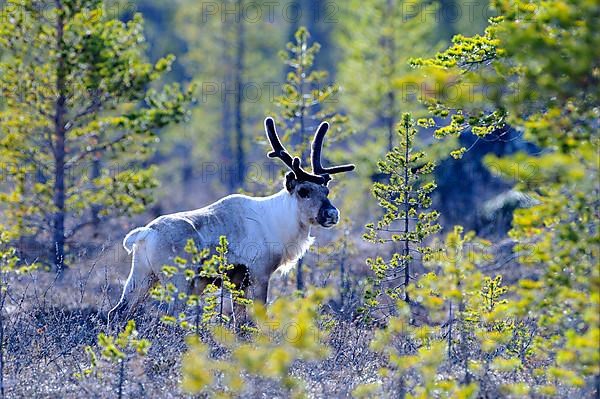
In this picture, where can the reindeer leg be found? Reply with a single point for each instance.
(123, 305)
(133, 296)
(256, 291)
(260, 291)
(134, 292)
(241, 278)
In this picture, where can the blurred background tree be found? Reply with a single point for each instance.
(230, 47)
(377, 39)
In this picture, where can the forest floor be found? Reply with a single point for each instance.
(48, 323)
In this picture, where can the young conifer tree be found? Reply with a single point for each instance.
(466, 336)
(119, 350)
(307, 96)
(407, 220)
(201, 308)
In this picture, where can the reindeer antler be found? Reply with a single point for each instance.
(295, 164)
(315, 155)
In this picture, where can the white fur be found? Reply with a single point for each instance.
(286, 267)
(134, 236)
(280, 218)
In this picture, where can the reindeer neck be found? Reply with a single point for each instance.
(282, 211)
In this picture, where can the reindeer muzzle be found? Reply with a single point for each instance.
(328, 215)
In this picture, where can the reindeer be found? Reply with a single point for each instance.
(265, 234)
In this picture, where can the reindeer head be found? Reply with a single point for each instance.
(308, 189)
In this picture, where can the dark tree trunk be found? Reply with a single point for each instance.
(240, 167)
(226, 126)
(406, 249)
(187, 170)
(389, 48)
(344, 281)
(59, 149)
(449, 16)
(300, 276)
(95, 173)
(390, 120)
(3, 295)
(320, 17)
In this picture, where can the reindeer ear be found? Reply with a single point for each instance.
(290, 181)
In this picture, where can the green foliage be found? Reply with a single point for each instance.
(287, 332)
(79, 100)
(407, 220)
(376, 39)
(535, 66)
(216, 270)
(117, 349)
(9, 261)
(120, 350)
(201, 265)
(557, 240)
(468, 330)
(541, 61)
(78, 117)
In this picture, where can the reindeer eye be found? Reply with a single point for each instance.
(303, 193)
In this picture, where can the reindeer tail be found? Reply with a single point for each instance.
(134, 236)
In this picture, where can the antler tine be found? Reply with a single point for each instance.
(315, 155)
(279, 151)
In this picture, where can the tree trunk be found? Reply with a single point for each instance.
(300, 276)
(238, 77)
(95, 173)
(226, 126)
(3, 295)
(406, 249)
(320, 18)
(344, 283)
(59, 148)
(448, 12)
(390, 122)
(390, 47)
(450, 321)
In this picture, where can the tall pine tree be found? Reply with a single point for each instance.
(78, 118)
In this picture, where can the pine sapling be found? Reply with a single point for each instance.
(407, 220)
(209, 304)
